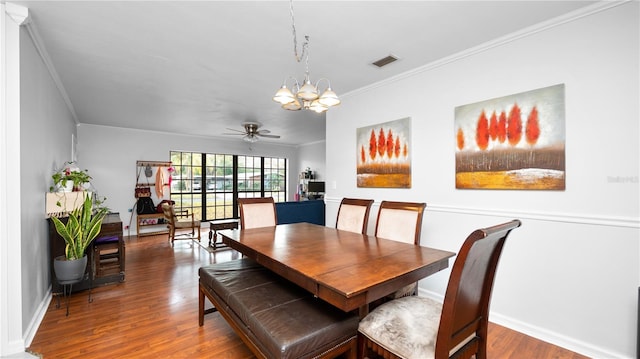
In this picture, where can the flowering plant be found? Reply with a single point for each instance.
(69, 173)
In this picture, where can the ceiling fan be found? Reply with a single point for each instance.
(251, 132)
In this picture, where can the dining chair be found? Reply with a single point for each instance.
(353, 215)
(257, 212)
(180, 220)
(419, 327)
(402, 222)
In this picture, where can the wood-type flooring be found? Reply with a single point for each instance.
(154, 314)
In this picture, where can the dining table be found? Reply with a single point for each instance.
(346, 269)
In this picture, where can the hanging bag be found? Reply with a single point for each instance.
(145, 206)
(142, 190)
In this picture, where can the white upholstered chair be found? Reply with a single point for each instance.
(353, 215)
(257, 212)
(401, 221)
(421, 328)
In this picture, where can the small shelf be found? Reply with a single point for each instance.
(140, 224)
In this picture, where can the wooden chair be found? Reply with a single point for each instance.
(179, 221)
(257, 212)
(418, 327)
(402, 222)
(353, 215)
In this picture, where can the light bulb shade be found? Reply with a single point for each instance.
(318, 107)
(329, 98)
(308, 92)
(292, 106)
(284, 95)
(250, 138)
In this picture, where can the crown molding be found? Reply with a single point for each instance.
(44, 55)
(528, 31)
(19, 14)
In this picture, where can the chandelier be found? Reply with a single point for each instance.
(306, 96)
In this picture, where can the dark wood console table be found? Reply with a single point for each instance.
(215, 226)
(111, 227)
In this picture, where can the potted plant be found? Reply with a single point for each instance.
(69, 176)
(82, 227)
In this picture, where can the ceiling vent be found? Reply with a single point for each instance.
(385, 61)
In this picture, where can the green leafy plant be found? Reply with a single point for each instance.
(81, 229)
(68, 173)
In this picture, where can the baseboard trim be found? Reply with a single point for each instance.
(545, 335)
(554, 338)
(37, 319)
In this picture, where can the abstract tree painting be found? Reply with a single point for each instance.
(383, 155)
(512, 142)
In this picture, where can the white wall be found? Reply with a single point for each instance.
(110, 155)
(570, 274)
(46, 128)
(312, 155)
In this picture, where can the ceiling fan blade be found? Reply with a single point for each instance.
(268, 136)
(235, 134)
(260, 132)
(234, 130)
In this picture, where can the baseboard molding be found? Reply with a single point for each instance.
(554, 338)
(540, 333)
(37, 319)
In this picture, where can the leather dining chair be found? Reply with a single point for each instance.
(401, 221)
(257, 212)
(180, 220)
(353, 215)
(419, 327)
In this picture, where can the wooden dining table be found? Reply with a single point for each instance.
(346, 269)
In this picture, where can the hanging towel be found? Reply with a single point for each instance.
(160, 183)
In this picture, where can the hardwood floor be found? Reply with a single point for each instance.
(154, 314)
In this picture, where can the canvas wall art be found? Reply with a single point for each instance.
(384, 155)
(512, 142)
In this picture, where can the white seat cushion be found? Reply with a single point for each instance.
(407, 327)
(258, 215)
(351, 218)
(397, 224)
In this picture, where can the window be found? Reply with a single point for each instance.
(209, 184)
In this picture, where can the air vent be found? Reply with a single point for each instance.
(385, 61)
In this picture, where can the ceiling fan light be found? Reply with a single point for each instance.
(250, 138)
(329, 98)
(318, 107)
(308, 92)
(292, 106)
(284, 95)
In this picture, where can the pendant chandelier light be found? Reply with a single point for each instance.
(308, 96)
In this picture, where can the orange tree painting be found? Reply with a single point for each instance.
(383, 155)
(512, 142)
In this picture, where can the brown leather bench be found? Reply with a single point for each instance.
(274, 317)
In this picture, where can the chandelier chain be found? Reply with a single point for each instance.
(305, 45)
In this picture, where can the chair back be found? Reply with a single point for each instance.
(465, 311)
(400, 221)
(353, 215)
(257, 212)
(169, 213)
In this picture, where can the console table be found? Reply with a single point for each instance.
(111, 227)
(215, 226)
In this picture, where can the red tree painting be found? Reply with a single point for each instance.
(383, 155)
(512, 142)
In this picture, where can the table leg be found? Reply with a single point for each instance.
(363, 311)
